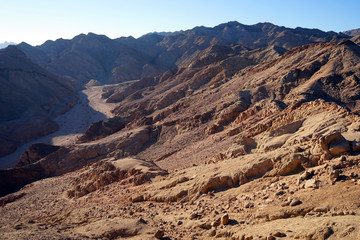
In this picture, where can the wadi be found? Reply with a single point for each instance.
(230, 132)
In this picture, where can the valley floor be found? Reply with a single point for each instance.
(89, 109)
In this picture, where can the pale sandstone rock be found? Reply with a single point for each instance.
(312, 183)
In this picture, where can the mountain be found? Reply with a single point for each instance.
(356, 39)
(5, 44)
(254, 137)
(92, 56)
(352, 32)
(29, 97)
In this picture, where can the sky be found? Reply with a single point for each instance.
(35, 21)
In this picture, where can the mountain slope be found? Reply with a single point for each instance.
(29, 97)
(248, 149)
(233, 142)
(92, 56)
(356, 39)
(183, 109)
(87, 57)
(352, 32)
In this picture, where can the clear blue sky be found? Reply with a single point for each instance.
(35, 21)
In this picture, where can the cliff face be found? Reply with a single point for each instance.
(29, 97)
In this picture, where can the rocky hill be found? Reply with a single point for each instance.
(241, 140)
(29, 97)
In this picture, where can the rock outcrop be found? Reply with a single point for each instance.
(103, 128)
(104, 173)
(36, 152)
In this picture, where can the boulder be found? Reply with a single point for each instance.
(312, 183)
(338, 147)
(103, 128)
(241, 147)
(356, 145)
(36, 152)
(225, 219)
(291, 164)
(334, 144)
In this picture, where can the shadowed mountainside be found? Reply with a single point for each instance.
(29, 97)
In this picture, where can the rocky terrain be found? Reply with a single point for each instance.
(245, 139)
(29, 98)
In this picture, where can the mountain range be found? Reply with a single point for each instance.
(5, 44)
(231, 132)
(107, 60)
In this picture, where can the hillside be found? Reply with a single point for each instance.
(29, 97)
(352, 32)
(244, 132)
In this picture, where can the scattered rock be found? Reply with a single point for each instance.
(216, 223)
(312, 183)
(248, 205)
(205, 225)
(334, 175)
(225, 219)
(279, 234)
(279, 193)
(159, 234)
(304, 176)
(295, 202)
(212, 233)
(194, 216)
(322, 233)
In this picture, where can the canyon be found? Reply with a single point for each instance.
(232, 132)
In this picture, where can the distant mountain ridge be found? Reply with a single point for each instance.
(352, 32)
(108, 60)
(5, 44)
